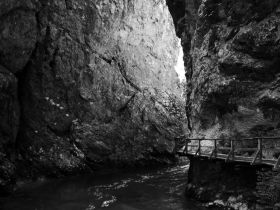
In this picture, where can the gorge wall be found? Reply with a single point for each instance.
(232, 63)
(85, 84)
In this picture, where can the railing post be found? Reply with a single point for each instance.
(186, 146)
(215, 148)
(198, 152)
(232, 148)
(199, 147)
(260, 148)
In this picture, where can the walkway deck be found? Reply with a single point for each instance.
(237, 152)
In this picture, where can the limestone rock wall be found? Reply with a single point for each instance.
(232, 66)
(231, 53)
(235, 69)
(86, 83)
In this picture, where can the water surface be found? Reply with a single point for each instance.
(161, 189)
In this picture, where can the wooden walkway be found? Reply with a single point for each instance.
(235, 150)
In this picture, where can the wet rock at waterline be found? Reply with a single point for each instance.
(84, 84)
(232, 185)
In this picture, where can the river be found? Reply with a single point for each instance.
(157, 189)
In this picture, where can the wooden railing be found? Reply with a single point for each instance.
(234, 150)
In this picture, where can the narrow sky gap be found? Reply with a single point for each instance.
(180, 66)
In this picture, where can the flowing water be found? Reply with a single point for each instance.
(161, 189)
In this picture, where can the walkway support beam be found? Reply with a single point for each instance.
(214, 151)
(259, 153)
(187, 146)
(198, 152)
(276, 166)
(231, 152)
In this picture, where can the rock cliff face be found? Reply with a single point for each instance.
(232, 58)
(232, 62)
(85, 84)
(235, 69)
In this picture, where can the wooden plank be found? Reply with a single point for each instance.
(192, 145)
(241, 139)
(224, 148)
(205, 146)
(243, 149)
(269, 162)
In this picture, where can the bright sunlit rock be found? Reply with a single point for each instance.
(180, 68)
